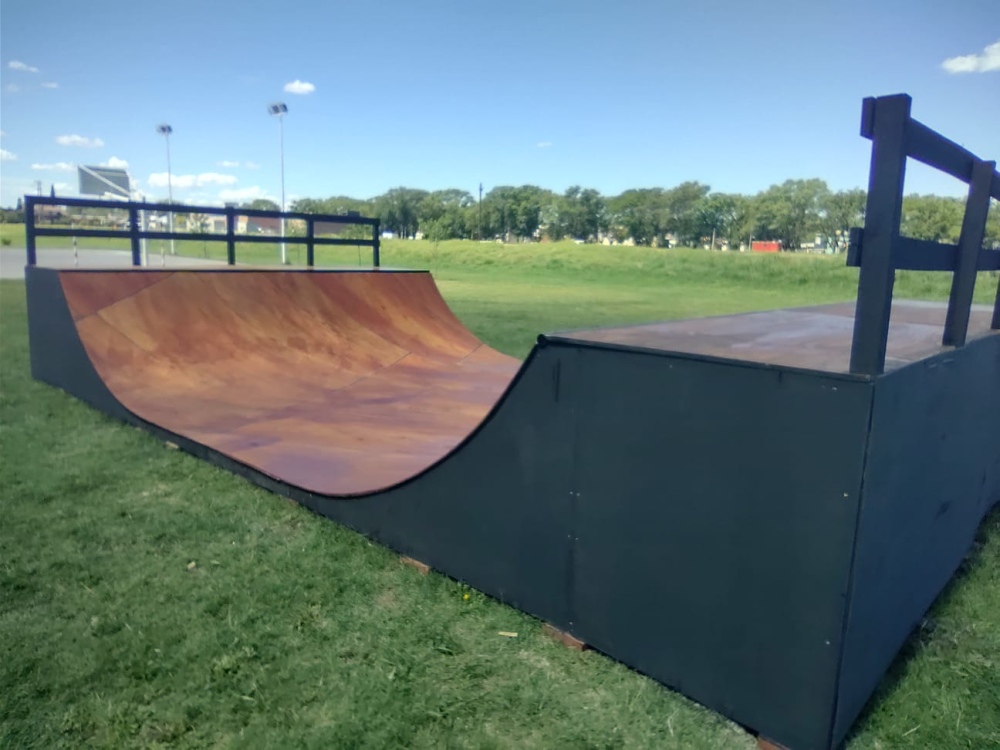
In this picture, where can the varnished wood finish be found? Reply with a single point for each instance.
(341, 383)
(563, 637)
(814, 338)
(420, 567)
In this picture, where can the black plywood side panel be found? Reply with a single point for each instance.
(715, 525)
(492, 514)
(495, 513)
(58, 357)
(933, 473)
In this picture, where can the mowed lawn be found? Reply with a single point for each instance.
(148, 599)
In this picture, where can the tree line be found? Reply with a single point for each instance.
(794, 213)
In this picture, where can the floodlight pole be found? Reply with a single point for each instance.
(280, 109)
(165, 130)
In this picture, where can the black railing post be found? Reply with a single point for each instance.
(884, 120)
(133, 222)
(970, 242)
(376, 234)
(310, 246)
(996, 310)
(29, 229)
(231, 235)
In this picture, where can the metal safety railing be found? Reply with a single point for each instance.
(879, 249)
(137, 231)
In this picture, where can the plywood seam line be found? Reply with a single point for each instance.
(845, 622)
(241, 316)
(475, 349)
(166, 275)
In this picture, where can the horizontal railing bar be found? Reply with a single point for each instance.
(911, 254)
(214, 237)
(211, 210)
(931, 148)
(934, 150)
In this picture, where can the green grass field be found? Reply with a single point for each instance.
(150, 600)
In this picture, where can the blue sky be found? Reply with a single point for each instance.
(433, 94)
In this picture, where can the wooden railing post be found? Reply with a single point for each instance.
(310, 245)
(231, 235)
(29, 229)
(133, 225)
(970, 242)
(885, 123)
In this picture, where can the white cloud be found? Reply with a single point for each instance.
(50, 85)
(299, 87)
(984, 62)
(13, 88)
(6, 155)
(236, 195)
(59, 166)
(115, 163)
(62, 186)
(79, 140)
(543, 144)
(2, 134)
(159, 179)
(226, 164)
(252, 165)
(18, 65)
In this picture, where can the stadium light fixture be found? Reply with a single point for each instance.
(279, 109)
(165, 130)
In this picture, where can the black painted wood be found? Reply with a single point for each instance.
(136, 233)
(970, 242)
(190, 208)
(911, 254)
(932, 474)
(879, 250)
(723, 572)
(934, 150)
(882, 216)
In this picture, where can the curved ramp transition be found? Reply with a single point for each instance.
(340, 383)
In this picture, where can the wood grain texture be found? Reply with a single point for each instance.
(813, 338)
(342, 383)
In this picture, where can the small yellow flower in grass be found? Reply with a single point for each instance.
(465, 597)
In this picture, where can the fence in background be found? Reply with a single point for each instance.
(136, 230)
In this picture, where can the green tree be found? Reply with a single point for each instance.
(398, 210)
(931, 217)
(516, 211)
(716, 214)
(841, 211)
(639, 214)
(262, 204)
(580, 213)
(791, 212)
(992, 236)
(443, 213)
(681, 205)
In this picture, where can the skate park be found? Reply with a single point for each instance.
(597, 485)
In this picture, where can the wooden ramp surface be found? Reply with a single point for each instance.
(340, 383)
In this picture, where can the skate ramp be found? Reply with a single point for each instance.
(340, 383)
